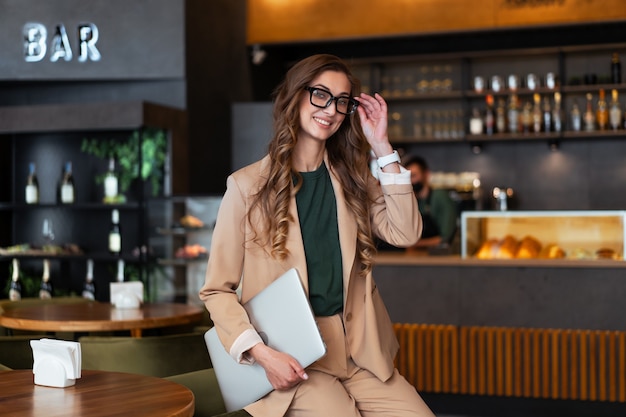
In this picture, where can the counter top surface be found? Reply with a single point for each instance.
(422, 259)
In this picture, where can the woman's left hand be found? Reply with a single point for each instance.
(373, 114)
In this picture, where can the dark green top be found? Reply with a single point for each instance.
(442, 209)
(317, 212)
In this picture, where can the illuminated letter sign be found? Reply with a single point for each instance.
(35, 48)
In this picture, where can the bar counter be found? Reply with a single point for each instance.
(565, 294)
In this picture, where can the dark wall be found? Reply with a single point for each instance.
(217, 75)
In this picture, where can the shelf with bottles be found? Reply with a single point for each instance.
(74, 206)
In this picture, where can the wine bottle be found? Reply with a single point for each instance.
(589, 117)
(501, 116)
(537, 114)
(67, 185)
(616, 69)
(45, 290)
(557, 121)
(547, 115)
(602, 113)
(489, 116)
(115, 234)
(110, 183)
(120, 270)
(32, 185)
(15, 290)
(89, 288)
(576, 124)
(513, 119)
(615, 112)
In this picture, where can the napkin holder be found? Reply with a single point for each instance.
(126, 294)
(57, 363)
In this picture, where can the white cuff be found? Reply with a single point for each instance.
(389, 178)
(244, 343)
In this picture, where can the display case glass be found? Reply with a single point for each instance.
(543, 234)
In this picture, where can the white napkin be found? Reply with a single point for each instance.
(126, 294)
(57, 363)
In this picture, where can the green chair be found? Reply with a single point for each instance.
(209, 402)
(158, 356)
(15, 352)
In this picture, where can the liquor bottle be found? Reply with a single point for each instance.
(15, 290)
(575, 118)
(501, 116)
(120, 270)
(513, 116)
(537, 113)
(67, 185)
(589, 116)
(616, 69)
(32, 185)
(489, 116)
(476, 122)
(527, 117)
(45, 290)
(547, 115)
(89, 288)
(557, 117)
(602, 113)
(615, 112)
(115, 234)
(110, 183)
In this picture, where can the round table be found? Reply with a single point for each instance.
(96, 394)
(94, 317)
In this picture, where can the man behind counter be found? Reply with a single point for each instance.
(438, 210)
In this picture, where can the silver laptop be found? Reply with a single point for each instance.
(282, 316)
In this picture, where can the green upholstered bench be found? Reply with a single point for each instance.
(15, 352)
(209, 402)
(154, 356)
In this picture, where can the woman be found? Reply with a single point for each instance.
(313, 204)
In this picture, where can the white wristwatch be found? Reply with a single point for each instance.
(383, 161)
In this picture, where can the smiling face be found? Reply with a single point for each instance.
(318, 124)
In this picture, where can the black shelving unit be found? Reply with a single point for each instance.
(52, 134)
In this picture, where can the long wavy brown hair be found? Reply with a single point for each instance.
(348, 155)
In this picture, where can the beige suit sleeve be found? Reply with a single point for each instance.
(225, 266)
(395, 215)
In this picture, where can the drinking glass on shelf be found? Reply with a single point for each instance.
(385, 86)
(409, 85)
(496, 83)
(435, 83)
(532, 81)
(438, 125)
(424, 82)
(417, 124)
(47, 231)
(446, 83)
(428, 125)
(459, 125)
(479, 84)
(513, 82)
(551, 80)
(396, 86)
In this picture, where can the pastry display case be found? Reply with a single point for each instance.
(543, 235)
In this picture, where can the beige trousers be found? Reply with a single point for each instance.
(338, 387)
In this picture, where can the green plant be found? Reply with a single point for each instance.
(126, 153)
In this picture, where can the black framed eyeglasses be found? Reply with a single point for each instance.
(323, 98)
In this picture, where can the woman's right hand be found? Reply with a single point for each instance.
(282, 370)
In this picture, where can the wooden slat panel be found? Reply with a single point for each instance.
(593, 367)
(613, 363)
(446, 360)
(454, 353)
(545, 363)
(499, 335)
(602, 389)
(574, 363)
(584, 371)
(428, 362)
(421, 366)
(465, 362)
(565, 367)
(482, 365)
(536, 351)
(508, 361)
(554, 361)
(491, 360)
(436, 358)
(517, 352)
(622, 367)
(473, 360)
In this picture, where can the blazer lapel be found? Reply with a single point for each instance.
(347, 230)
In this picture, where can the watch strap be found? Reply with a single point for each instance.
(383, 161)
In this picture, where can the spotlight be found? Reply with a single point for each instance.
(553, 145)
(258, 54)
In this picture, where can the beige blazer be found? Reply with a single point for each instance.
(233, 257)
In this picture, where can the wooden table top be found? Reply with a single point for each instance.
(88, 317)
(96, 394)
